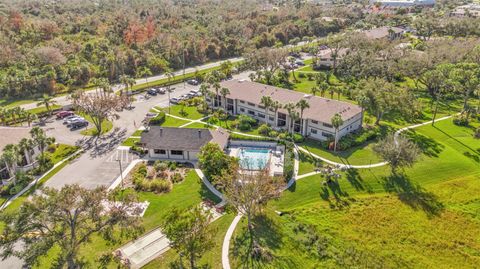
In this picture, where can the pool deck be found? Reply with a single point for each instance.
(275, 161)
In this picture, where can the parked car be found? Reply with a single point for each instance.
(152, 91)
(300, 63)
(171, 89)
(75, 120)
(161, 90)
(185, 97)
(66, 119)
(63, 114)
(78, 125)
(175, 100)
(195, 92)
(192, 82)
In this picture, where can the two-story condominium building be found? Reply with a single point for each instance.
(245, 98)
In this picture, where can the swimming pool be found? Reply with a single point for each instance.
(253, 159)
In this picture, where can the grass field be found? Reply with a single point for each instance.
(189, 112)
(428, 218)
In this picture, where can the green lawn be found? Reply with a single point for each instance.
(355, 155)
(173, 122)
(62, 151)
(189, 112)
(199, 125)
(427, 219)
(130, 142)
(307, 163)
(138, 133)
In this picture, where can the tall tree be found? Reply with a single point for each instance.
(144, 72)
(267, 102)
(188, 232)
(266, 62)
(224, 92)
(290, 107)
(100, 106)
(40, 138)
(65, 220)
(337, 122)
(398, 151)
(249, 193)
(466, 79)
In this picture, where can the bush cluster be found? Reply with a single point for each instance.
(288, 165)
(357, 138)
(159, 119)
(460, 120)
(246, 123)
(21, 181)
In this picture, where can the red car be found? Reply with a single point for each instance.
(63, 114)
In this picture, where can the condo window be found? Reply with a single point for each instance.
(327, 134)
(314, 122)
(176, 152)
(327, 125)
(271, 118)
(262, 107)
(260, 115)
(251, 112)
(313, 131)
(251, 104)
(159, 151)
(241, 101)
(242, 109)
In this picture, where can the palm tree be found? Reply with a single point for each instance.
(275, 106)
(323, 86)
(204, 90)
(302, 105)
(10, 157)
(41, 140)
(144, 72)
(224, 92)
(292, 60)
(16, 112)
(267, 102)
(336, 121)
(331, 90)
(314, 90)
(290, 107)
(47, 101)
(26, 146)
(127, 81)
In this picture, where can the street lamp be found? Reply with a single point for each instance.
(121, 170)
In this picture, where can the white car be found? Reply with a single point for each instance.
(78, 119)
(66, 119)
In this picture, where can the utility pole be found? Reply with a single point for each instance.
(121, 170)
(183, 54)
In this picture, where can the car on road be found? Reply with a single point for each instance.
(152, 91)
(193, 82)
(78, 124)
(63, 114)
(175, 100)
(161, 90)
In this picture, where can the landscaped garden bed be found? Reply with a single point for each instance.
(158, 176)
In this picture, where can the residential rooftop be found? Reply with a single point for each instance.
(12, 135)
(382, 32)
(182, 138)
(321, 109)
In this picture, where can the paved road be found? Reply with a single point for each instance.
(64, 100)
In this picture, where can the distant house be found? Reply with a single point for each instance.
(385, 32)
(326, 57)
(470, 10)
(245, 98)
(180, 143)
(403, 3)
(13, 135)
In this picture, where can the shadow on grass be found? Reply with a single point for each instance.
(340, 197)
(413, 194)
(357, 181)
(206, 194)
(427, 145)
(268, 234)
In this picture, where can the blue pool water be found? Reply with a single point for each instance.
(253, 159)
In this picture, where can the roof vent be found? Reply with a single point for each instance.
(242, 80)
(199, 133)
(161, 131)
(307, 96)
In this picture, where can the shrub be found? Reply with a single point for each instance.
(142, 170)
(301, 75)
(288, 166)
(310, 76)
(298, 138)
(177, 178)
(172, 166)
(245, 123)
(357, 138)
(273, 134)
(160, 166)
(460, 120)
(159, 186)
(264, 129)
(477, 133)
(159, 119)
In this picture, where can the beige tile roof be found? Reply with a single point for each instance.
(12, 135)
(182, 138)
(321, 109)
(382, 32)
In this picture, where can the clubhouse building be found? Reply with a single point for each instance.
(245, 96)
